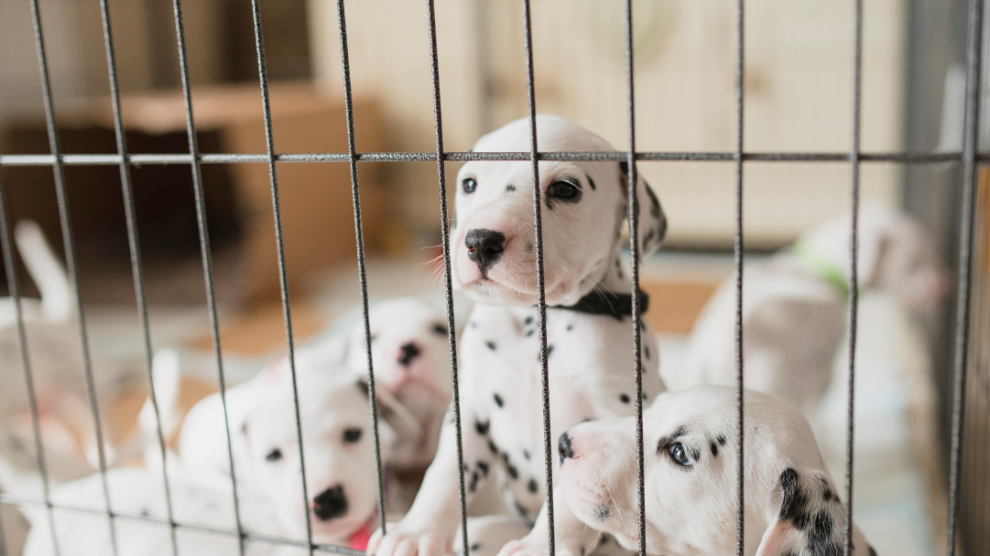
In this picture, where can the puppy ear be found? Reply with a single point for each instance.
(395, 415)
(652, 221)
(810, 518)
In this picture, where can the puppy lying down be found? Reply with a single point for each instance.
(792, 506)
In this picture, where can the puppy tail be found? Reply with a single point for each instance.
(45, 269)
(810, 520)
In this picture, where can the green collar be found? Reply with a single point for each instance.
(825, 269)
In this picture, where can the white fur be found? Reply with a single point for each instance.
(794, 319)
(590, 362)
(691, 510)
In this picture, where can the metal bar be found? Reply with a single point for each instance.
(737, 261)
(460, 156)
(134, 244)
(853, 284)
(15, 500)
(359, 239)
(13, 290)
(974, 55)
(447, 279)
(206, 254)
(259, 44)
(541, 290)
(70, 257)
(634, 277)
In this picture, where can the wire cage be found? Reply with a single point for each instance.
(966, 520)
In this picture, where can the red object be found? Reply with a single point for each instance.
(359, 540)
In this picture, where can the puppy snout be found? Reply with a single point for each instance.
(330, 504)
(407, 353)
(564, 447)
(484, 247)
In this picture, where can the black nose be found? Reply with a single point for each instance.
(408, 352)
(330, 503)
(564, 448)
(484, 247)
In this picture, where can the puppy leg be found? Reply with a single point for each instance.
(571, 536)
(487, 535)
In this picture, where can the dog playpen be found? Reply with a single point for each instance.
(966, 389)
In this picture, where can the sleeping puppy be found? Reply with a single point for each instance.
(794, 305)
(589, 329)
(792, 507)
(412, 365)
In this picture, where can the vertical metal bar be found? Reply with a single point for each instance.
(359, 238)
(541, 289)
(737, 255)
(15, 295)
(974, 53)
(448, 289)
(853, 284)
(259, 43)
(134, 244)
(634, 276)
(206, 255)
(70, 258)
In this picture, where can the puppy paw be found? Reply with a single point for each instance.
(535, 545)
(409, 540)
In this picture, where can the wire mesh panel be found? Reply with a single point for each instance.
(970, 159)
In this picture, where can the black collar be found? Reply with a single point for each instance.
(615, 305)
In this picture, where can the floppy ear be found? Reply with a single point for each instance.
(810, 519)
(652, 221)
(395, 415)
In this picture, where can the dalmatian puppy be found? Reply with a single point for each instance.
(589, 331)
(55, 355)
(794, 305)
(411, 359)
(140, 492)
(792, 507)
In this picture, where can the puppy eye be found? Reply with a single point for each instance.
(679, 454)
(440, 329)
(274, 455)
(469, 185)
(562, 190)
(352, 435)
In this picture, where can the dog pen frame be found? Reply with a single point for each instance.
(969, 158)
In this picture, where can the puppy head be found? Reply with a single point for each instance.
(584, 206)
(338, 447)
(690, 442)
(410, 352)
(895, 254)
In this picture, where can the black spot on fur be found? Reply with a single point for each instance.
(145, 512)
(827, 494)
(872, 552)
(473, 485)
(522, 511)
(583, 551)
(492, 447)
(820, 541)
(721, 439)
(624, 398)
(482, 426)
(591, 182)
(475, 547)
(510, 188)
(646, 349)
(714, 448)
(794, 508)
(440, 329)
(530, 332)
(491, 345)
(483, 467)
(624, 167)
(570, 327)
(529, 320)
(513, 472)
(498, 399)
(602, 512)
(549, 350)
(532, 486)
(526, 454)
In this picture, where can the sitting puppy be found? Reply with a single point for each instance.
(589, 332)
(412, 364)
(794, 305)
(690, 438)
(140, 492)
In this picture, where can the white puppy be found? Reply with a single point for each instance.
(56, 362)
(589, 330)
(411, 359)
(140, 492)
(690, 439)
(794, 305)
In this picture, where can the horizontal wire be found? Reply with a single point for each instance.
(15, 500)
(461, 156)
